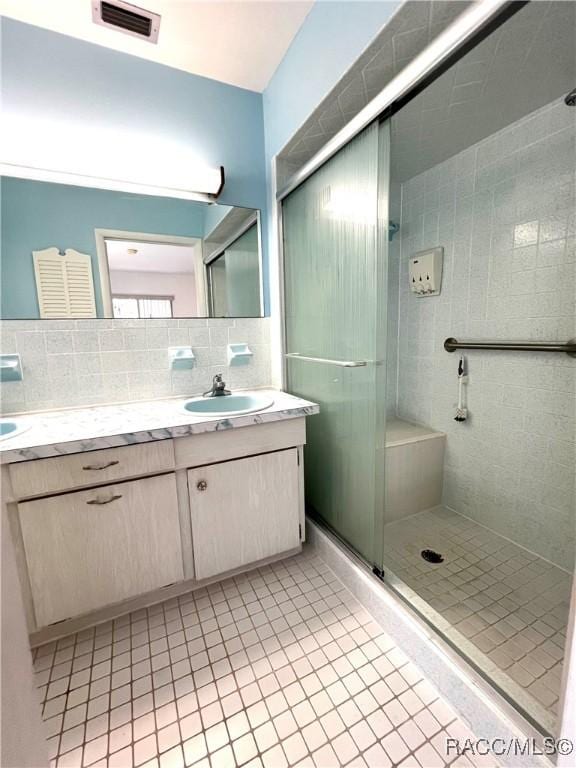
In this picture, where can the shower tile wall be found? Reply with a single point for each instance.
(504, 212)
(82, 362)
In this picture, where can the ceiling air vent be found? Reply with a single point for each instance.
(127, 18)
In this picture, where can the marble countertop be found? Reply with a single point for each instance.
(56, 433)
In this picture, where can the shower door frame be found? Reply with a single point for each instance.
(462, 35)
(474, 24)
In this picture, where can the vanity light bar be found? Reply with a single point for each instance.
(210, 195)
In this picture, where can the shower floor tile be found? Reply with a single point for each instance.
(503, 606)
(280, 666)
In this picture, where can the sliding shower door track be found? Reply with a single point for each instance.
(472, 26)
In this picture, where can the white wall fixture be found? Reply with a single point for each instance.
(10, 368)
(425, 272)
(181, 358)
(64, 283)
(239, 354)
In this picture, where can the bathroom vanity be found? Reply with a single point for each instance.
(112, 508)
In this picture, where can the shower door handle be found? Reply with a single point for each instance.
(327, 360)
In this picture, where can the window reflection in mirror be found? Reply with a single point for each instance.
(142, 306)
(75, 252)
(154, 279)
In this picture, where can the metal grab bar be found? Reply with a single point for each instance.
(328, 361)
(569, 347)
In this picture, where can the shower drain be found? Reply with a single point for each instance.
(431, 557)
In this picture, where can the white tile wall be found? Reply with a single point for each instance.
(83, 362)
(504, 210)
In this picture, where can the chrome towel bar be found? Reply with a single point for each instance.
(328, 361)
(568, 347)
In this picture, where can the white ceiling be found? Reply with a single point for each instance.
(233, 41)
(151, 257)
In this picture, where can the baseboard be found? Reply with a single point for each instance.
(77, 624)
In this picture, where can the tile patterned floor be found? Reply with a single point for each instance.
(278, 667)
(511, 605)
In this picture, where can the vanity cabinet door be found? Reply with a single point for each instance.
(88, 549)
(244, 511)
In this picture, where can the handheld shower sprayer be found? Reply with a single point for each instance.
(461, 410)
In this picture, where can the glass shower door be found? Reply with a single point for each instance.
(335, 288)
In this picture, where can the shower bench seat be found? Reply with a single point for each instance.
(414, 468)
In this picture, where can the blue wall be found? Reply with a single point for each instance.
(58, 77)
(332, 37)
(37, 215)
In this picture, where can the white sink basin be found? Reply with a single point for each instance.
(11, 428)
(228, 405)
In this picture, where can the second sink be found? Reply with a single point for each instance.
(11, 428)
(228, 405)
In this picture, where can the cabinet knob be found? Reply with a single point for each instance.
(201, 485)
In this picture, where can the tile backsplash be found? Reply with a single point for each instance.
(70, 363)
(504, 212)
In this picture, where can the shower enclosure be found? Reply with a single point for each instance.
(471, 522)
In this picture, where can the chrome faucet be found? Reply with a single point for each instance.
(218, 387)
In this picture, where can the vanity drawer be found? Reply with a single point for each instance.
(45, 476)
(223, 445)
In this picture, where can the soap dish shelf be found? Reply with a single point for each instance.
(181, 358)
(239, 354)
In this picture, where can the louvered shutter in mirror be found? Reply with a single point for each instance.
(64, 284)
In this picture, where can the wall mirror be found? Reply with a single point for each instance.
(82, 252)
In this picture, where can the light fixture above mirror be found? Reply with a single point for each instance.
(66, 152)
